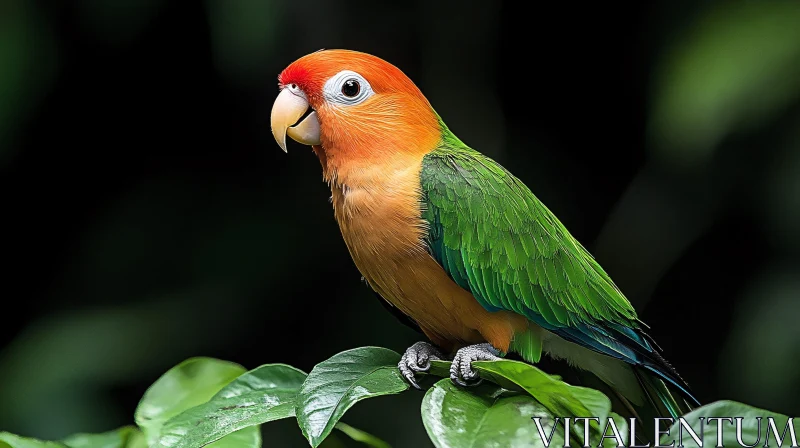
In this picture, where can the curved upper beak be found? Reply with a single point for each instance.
(288, 109)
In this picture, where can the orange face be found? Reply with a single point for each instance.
(361, 107)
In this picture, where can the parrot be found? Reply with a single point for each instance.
(456, 244)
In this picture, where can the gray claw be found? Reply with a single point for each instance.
(461, 371)
(417, 358)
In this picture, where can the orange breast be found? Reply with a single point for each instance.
(380, 220)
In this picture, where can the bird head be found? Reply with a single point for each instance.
(353, 105)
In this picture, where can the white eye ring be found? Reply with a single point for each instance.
(334, 86)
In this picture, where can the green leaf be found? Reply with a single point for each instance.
(484, 416)
(8, 440)
(731, 409)
(186, 385)
(361, 436)
(335, 385)
(439, 368)
(261, 395)
(249, 437)
(125, 437)
(560, 398)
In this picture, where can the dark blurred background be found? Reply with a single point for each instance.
(151, 217)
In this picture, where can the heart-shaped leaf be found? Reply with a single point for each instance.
(335, 385)
(752, 434)
(485, 416)
(190, 383)
(261, 395)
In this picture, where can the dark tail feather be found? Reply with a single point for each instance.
(665, 397)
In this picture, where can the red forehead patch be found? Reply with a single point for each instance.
(293, 74)
(299, 73)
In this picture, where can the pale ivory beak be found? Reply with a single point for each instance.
(288, 108)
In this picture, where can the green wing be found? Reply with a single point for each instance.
(495, 239)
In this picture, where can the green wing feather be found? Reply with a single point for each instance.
(498, 240)
(495, 239)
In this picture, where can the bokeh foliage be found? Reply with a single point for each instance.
(152, 218)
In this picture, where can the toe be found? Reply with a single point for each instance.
(454, 370)
(469, 374)
(458, 381)
(422, 364)
(421, 354)
(462, 372)
(466, 370)
(455, 376)
(411, 358)
(407, 373)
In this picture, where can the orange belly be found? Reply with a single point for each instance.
(382, 226)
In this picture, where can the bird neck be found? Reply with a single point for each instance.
(366, 155)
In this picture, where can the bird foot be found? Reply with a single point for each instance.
(461, 371)
(417, 358)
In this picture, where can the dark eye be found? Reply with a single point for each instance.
(350, 88)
